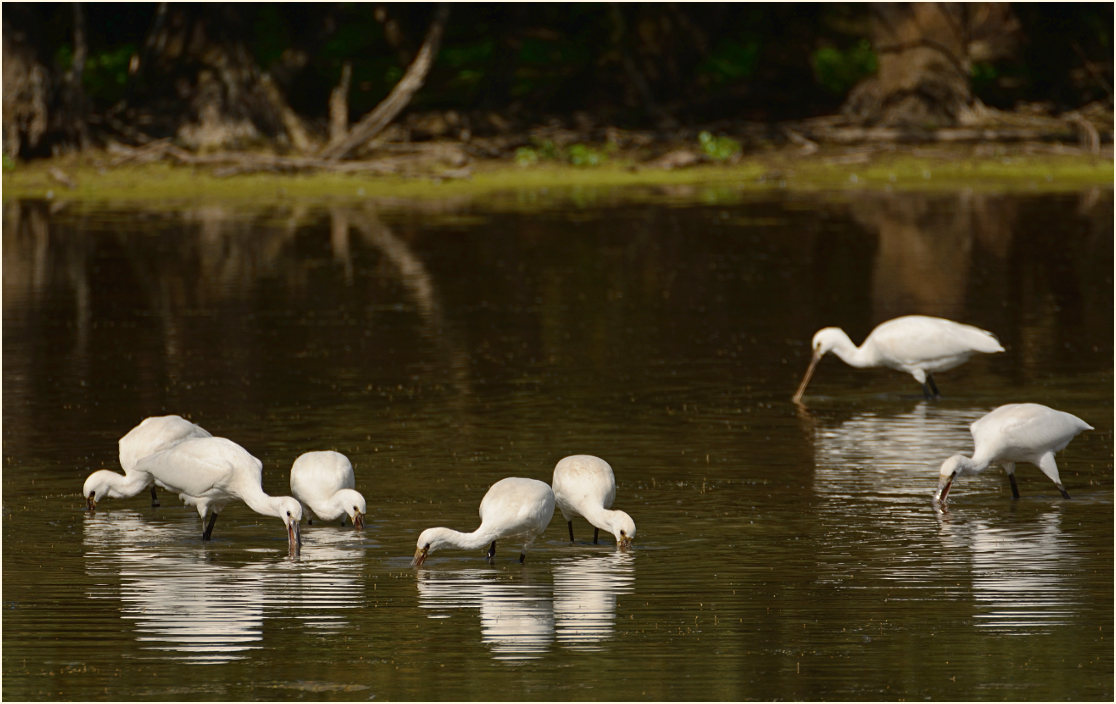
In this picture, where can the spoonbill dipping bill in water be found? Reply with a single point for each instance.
(1017, 432)
(916, 344)
(514, 507)
(585, 486)
(209, 473)
(150, 436)
(324, 482)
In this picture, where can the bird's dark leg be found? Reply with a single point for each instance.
(596, 534)
(1065, 494)
(1014, 486)
(522, 557)
(154, 497)
(492, 550)
(208, 533)
(933, 386)
(570, 525)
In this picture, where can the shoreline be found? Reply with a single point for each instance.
(102, 176)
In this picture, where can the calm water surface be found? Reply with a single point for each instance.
(782, 552)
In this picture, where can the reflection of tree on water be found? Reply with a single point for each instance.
(926, 245)
(199, 610)
(193, 293)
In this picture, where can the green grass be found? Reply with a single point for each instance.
(770, 170)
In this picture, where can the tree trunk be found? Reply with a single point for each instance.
(382, 115)
(27, 89)
(196, 67)
(925, 55)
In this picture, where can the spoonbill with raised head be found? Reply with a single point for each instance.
(1017, 432)
(152, 435)
(585, 486)
(514, 507)
(323, 481)
(210, 473)
(916, 344)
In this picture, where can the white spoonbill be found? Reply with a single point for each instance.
(211, 472)
(916, 344)
(514, 507)
(1017, 432)
(585, 486)
(323, 480)
(150, 436)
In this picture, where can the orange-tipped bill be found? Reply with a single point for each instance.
(806, 379)
(358, 520)
(420, 557)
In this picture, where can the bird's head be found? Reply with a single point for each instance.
(97, 486)
(430, 540)
(290, 510)
(951, 469)
(826, 340)
(624, 529)
(354, 505)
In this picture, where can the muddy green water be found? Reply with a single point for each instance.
(782, 552)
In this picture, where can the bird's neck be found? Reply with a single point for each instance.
(603, 518)
(850, 354)
(123, 486)
(977, 463)
(261, 502)
(465, 541)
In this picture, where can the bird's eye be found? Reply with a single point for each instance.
(622, 532)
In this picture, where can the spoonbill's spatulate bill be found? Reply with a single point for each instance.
(585, 486)
(324, 481)
(209, 473)
(916, 344)
(1017, 432)
(516, 508)
(152, 435)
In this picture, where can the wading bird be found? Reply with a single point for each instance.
(916, 344)
(514, 507)
(152, 435)
(585, 486)
(1017, 432)
(324, 481)
(209, 473)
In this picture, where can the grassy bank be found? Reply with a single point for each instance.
(93, 178)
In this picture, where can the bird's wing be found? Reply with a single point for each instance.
(321, 474)
(918, 340)
(154, 435)
(581, 485)
(200, 465)
(1019, 428)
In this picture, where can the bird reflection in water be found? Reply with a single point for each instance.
(585, 592)
(520, 619)
(185, 605)
(1020, 570)
(890, 457)
(517, 619)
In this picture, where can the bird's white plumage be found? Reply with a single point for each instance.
(585, 486)
(514, 508)
(211, 472)
(1016, 432)
(152, 435)
(919, 345)
(324, 481)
